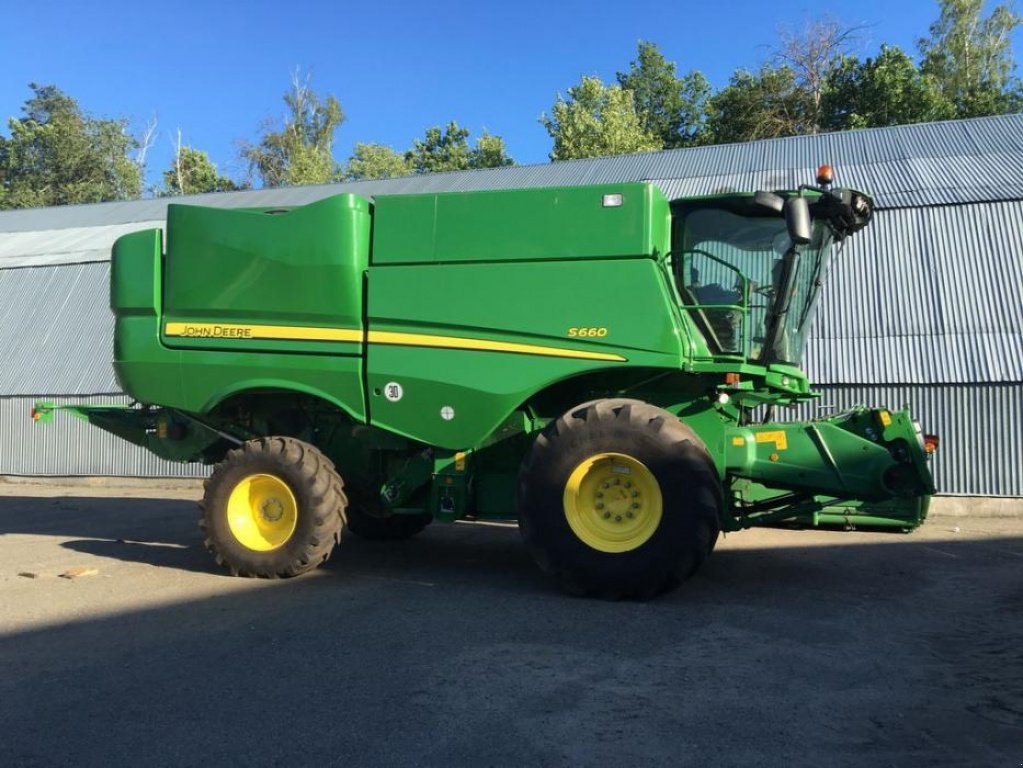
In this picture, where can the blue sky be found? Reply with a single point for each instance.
(216, 70)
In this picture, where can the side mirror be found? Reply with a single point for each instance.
(797, 217)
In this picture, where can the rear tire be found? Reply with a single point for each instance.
(274, 507)
(364, 521)
(618, 498)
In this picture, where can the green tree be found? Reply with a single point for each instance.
(489, 152)
(301, 150)
(597, 121)
(448, 150)
(58, 155)
(440, 150)
(970, 57)
(764, 105)
(375, 161)
(192, 173)
(887, 89)
(670, 107)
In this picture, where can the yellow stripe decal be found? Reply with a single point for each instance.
(306, 333)
(285, 332)
(482, 345)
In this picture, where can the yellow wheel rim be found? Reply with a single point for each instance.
(262, 512)
(613, 502)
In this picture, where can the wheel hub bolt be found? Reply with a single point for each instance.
(607, 515)
(618, 518)
(600, 505)
(272, 510)
(628, 515)
(635, 506)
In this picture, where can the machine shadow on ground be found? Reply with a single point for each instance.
(164, 533)
(453, 649)
(159, 532)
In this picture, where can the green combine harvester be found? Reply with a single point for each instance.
(598, 363)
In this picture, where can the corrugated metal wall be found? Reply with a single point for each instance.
(923, 307)
(71, 447)
(56, 330)
(925, 296)
(980, 425)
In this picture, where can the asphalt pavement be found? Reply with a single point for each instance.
(122, 644)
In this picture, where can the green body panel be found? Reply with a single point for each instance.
(209, 379)
(304, 267)
(423, 342)
(209, 286)
(521, 225)
(197, 380)
(142, 364)
(535, 304)
(135, 267)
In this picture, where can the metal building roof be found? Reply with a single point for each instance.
(71, 245)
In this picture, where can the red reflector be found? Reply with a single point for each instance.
(732, 378)
(931, 443)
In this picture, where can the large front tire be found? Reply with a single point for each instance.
(274, 507)
(618, 498)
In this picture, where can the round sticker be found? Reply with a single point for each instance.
(447, 413)
(393, 391)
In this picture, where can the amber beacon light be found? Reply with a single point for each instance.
(825, 175)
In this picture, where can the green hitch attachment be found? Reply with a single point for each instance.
(168, 433)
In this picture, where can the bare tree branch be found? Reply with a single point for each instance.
(146, 142)
(812, 52)
(177, 165)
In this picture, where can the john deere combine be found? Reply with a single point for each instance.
(598, 363)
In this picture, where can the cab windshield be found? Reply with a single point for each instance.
(750, 291)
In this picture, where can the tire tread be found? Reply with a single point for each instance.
(674, 436)
(317, 481)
